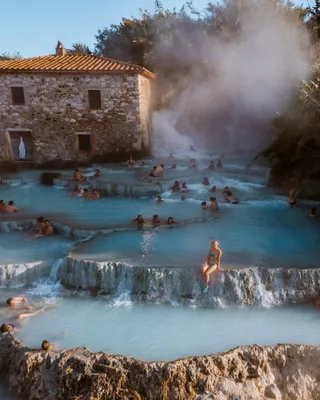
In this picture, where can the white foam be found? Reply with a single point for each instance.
(123, 300)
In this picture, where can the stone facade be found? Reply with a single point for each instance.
(56, 113)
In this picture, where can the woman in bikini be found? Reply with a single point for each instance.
(212, 263)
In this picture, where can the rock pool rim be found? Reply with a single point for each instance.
(244, 372)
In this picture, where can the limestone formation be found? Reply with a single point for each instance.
(283, 372)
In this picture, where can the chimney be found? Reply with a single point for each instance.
(60, 50)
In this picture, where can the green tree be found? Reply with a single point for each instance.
(79, 49)
(295, 155)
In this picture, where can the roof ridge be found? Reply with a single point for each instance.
(72, 63)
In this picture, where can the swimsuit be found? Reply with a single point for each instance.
(212, 255)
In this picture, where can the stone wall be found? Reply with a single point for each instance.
(57, 109)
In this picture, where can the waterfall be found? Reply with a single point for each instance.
(23, 274)
(54, 272)
(49, 288)
(250, 286)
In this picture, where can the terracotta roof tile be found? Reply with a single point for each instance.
(71, 63)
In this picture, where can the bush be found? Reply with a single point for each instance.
(48, 177)
(9, 166)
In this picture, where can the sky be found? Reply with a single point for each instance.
(33, 27)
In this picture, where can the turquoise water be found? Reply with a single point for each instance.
(262, 230)
(160, 332)
(246, 235)
(15, 247)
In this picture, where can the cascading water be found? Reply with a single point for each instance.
(48, 289)
(250, 286)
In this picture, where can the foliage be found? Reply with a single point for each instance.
(169, 42)
(79, 49)
(295, 155)
(314, 20)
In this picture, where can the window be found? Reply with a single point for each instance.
(17, 96)
(84, 143)
(94, 97)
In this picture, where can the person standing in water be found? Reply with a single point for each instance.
(212, 263)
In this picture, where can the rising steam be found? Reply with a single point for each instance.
(234, 86)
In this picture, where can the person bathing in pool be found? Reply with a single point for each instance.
(171, 221)
(212, 263)
(159, 200)
(156, 221)
(139, 221)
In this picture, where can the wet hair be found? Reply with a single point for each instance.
(11, 203)
(205, 179)
(1, 201)
(155, 216)
(170, 218)
(85, 190)
(76, 170)
(40, 219)
(176, 182)
(184, 184)
(155, 167)
(162, 165)
(5, 328)
(229, 193)
(204, 203)
(10, 301)
(314, 210)
(159, 197)
(226, 188)
(45, 345)
(213, 198)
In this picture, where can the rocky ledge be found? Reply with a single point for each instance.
(286, 372)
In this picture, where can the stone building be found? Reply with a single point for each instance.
(73, 107)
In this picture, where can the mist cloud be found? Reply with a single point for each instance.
(234, 87)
